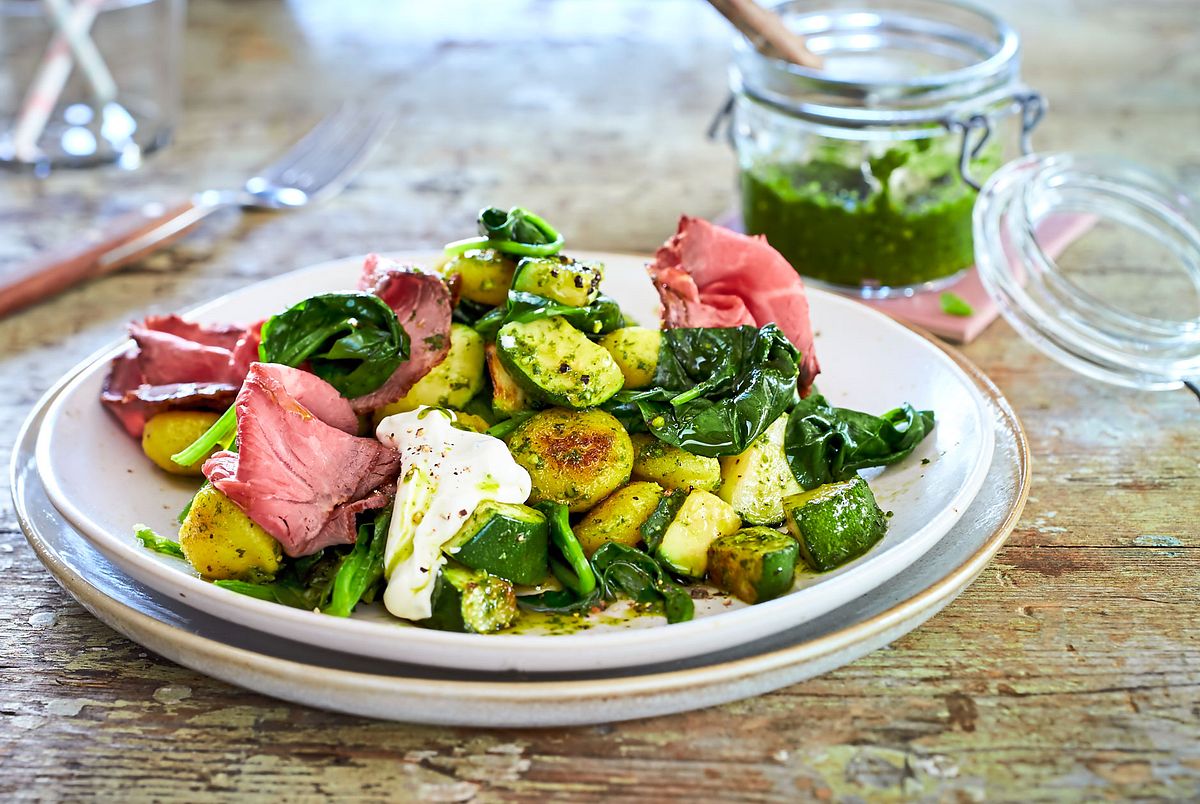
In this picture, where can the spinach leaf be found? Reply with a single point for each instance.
(627, 571)
(626, 412)
(353, 341)
(517, 231)
(159, 544)
(601, 316)
(362, 568)
(561, 601)
(717, 389)
(661, 517)
(581, 591)
(824, 444)
(305, 583)
(468, 312)
(577, 575)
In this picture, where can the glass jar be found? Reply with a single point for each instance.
(863, 174)
(89, 82)
(1087, 326)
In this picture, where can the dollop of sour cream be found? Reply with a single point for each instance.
(444, 473)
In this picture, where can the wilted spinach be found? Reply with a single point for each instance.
(304, 583)
(824, 444)
(469, 312)
(353, 341)
(576, 574)
(362, 568)
(661, 517)
(517, 231)
(601, 316)
(627, 571)
(159, 544)
(717, 389)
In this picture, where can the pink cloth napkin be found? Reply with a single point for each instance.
(925, 310)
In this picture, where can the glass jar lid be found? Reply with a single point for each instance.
(1097, 334)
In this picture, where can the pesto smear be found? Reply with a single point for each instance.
(901, 218)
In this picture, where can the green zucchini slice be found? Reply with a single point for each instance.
(555, 362)
(472, 601)
(835, 523)
(509, 541)
(755, 564)
(572, 282)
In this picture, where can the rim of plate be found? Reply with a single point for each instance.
(561, 691)
(468, 645)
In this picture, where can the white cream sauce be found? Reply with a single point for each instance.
(444, 473)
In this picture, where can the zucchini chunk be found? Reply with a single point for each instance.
(564, 279)
(636, 351)
(835, 523)
(575, 458)
(173, 431)
(553, 361)
(222, 543)
(507, 397)
(619, 517)
(484, 274)
(702, 519)
(472, 601)
(756, 481)
(672, 467)
(755, 564)
(506, 540)
(451, 383)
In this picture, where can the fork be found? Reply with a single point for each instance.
(315, 168)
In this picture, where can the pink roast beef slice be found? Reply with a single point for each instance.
(167, 358)
(727, 267)
(299, 475)
(221, 336)
(133, 401)
(684, 307)
(308, 391)
(423, 304)
(177, 364)
(245, 350)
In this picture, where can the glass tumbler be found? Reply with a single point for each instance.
(87, 82)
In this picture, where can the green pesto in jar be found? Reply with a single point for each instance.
(899, 219)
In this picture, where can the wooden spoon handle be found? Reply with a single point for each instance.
(766, 31)
(123, 241)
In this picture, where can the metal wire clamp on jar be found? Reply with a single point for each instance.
(864, 174)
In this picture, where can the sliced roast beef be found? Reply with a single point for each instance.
(177, 364)
(133, 401)
(245, 351)
(298, 471)
(221, 336)
(423, 304)
(167, 358)
(683, 306)
(710, 276)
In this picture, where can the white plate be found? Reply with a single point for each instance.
(380, 689)
(99, 479)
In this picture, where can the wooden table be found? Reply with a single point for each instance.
(1071, 669)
